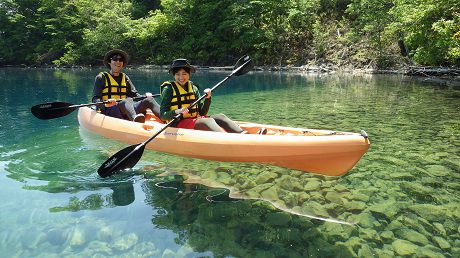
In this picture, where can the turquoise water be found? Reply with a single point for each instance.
(401, 199)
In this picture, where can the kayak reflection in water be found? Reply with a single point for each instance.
(177, 95)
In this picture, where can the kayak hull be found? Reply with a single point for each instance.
(317, 151)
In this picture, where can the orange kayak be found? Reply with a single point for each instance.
(323, 152)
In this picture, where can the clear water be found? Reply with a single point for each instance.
(401, 199)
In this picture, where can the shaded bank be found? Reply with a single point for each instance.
(444, 76)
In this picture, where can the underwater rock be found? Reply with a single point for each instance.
(339, 232)
(369, 234)
(404, 247)
(357, 196)
(440, 229)
(261, 187)
(384, 253)
(168, 253)
(105, 233)
(429, 211)
(386, 209)
(402, 176)
(334, 197)
(315, 209)
(387, 236)
(265, 177)
(224, 178)
(365, 220)
(355, 206)
(78, 238)
(353, 245)
(438, 170)
(341, 188)
(313, 185)
(57, 236)
(429, 252)
(366, 251)
(441, 242)
(99, 247)
(270, 194)
(289, 183)
(126, 242)
(412, 236)
(148, 249)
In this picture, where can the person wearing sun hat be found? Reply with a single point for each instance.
(177, 95)
(114, 85)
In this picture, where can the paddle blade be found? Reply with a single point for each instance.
(52, 110)
(247, 64)
(123, 159)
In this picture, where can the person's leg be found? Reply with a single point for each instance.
(126, 108)
(113, 111)
(207, 124)
(226, 123)
(142, 105)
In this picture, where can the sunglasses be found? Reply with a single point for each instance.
(117, 58)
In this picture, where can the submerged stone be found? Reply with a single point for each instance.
(315, 209)
(78, 238)
(412, 236)
(441, 242)
(313, 185)
(404, 247)
(438, 170)
(355, 206)
(429, 211)
(126, 242)
(387, 209)
(334, 197)
(428, 252)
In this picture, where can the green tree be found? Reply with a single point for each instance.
(431, 30)
(369, 20)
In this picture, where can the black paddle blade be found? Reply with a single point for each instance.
(123, 159)
(248, 65)
(52, 110)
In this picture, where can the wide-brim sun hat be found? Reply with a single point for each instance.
(181, 63)
(113, 52)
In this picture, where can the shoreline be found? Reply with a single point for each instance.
(440, 75)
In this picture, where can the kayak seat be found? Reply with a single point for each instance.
(262, 131)
(150, 116)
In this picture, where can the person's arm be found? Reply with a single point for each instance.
(203, 105)
(99, 83)
(165, 106)
(132, 92)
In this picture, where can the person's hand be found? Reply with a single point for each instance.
(111, 103)
(182, 111)
(148, 95)
(208, 93)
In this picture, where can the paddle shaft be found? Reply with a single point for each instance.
(103, 102)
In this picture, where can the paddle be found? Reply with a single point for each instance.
(58, 109)
(129, 156)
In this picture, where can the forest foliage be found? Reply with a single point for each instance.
(357, 33)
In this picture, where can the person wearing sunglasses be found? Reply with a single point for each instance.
(177, 95)
(114, 85)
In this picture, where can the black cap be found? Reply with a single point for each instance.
(113, 52)
(181, 63)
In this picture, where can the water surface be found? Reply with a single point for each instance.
(401, 199)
